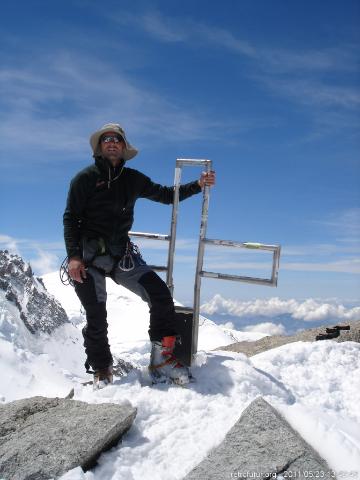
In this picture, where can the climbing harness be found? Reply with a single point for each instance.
(127, 262)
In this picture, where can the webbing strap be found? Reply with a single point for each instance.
(163, 364)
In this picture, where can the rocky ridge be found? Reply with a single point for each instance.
(38, 309)
(309, 335)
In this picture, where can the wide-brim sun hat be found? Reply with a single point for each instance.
(129, 151)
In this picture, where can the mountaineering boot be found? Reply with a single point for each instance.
(103, 377)
(164, 366)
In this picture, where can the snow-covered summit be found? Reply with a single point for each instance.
(315, 385)
(41, 343)
(39, 347)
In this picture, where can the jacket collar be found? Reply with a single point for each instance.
(106, 168)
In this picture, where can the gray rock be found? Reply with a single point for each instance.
(121, 367)
(42, 438)
(260, 445)
(309, 335)
(38, 309)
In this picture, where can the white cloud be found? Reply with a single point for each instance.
(276, 60)
(311, 310)
(166, 29)
(308, 310)
(339, 256)
(336, 58)
(26, 244)
(224, 38)
(60, 93)
(309, 78)
(312, 92)
(267, 327)
(271, 307)
(181, 243)
(9, 243)
(62, 96)
(350, 265)
(44, 257)
(320, 249)
(154, 24)
(345, 223)
(45, 262)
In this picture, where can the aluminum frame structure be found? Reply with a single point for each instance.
(203, 241)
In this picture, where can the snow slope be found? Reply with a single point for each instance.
(175, 428)
(316, 386)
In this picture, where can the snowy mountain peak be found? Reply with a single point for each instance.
(39, 311)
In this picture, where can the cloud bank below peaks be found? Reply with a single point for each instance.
(309, 310)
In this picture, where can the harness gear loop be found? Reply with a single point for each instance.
(127, 263)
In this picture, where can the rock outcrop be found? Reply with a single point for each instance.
(261, 445)
(39, 311)
(309, 335)
(42, 438)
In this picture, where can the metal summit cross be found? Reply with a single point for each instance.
(188, 318)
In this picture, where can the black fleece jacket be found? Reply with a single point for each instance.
(101, 202)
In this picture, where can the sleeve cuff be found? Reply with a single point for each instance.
(196, 187)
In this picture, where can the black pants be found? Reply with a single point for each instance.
(92, 293)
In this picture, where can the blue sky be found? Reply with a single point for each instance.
(267, 90)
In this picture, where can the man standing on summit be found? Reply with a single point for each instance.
(97, 221)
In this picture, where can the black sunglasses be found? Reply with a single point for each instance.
(111, 138)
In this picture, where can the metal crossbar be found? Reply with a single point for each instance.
(203, 241)
(272, 282)
(153, 236)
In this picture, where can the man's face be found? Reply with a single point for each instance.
(112, 146)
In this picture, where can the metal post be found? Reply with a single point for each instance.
(180, 162)
(200, 261)
(275, 267)
(170, 262)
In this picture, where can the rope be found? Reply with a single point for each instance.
(64, 273)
